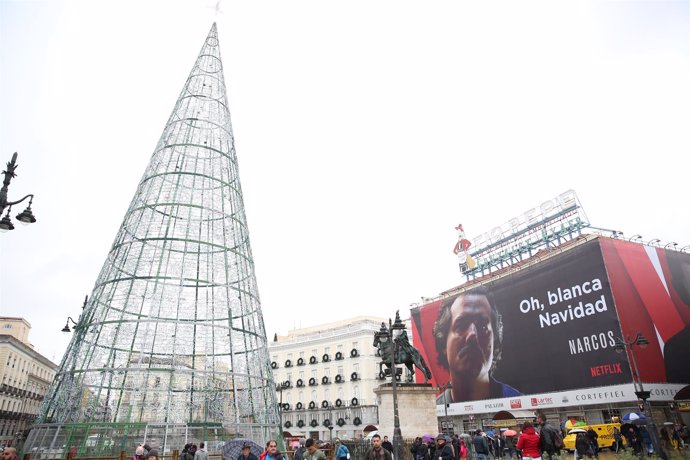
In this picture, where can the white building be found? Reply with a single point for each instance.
(25, 376)
(328, 374)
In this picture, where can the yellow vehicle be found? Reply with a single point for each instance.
(605, 439)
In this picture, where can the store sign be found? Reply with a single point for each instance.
(601, 395)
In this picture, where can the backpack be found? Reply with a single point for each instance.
(556, 441)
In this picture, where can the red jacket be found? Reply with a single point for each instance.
(529, 443)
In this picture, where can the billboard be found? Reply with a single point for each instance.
(552, 328)
(651, 288)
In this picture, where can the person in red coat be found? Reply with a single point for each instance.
(529, 443)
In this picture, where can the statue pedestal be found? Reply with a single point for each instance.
(416, 409)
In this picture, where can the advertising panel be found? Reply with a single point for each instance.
(651, 288)
(546, 328)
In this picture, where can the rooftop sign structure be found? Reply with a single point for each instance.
(551, 223)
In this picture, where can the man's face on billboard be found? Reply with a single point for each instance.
(470, 343)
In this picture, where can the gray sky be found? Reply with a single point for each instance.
(365, 131)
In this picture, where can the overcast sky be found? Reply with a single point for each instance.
(365, 131)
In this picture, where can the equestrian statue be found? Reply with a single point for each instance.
(403, 352)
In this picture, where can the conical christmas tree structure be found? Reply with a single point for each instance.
(171, 346)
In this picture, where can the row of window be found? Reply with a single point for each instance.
(325, 404)
(25, 366)
(15, 405)
(287, 398)
(328, 423)
(325, 380)
(301, 361)
(340, 353)
(326, 373)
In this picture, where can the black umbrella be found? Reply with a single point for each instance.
(233, 448)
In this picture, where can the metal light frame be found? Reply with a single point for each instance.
(176, 306)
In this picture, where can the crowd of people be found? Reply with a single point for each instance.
(534, 441)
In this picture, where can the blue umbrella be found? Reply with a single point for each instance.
(490, 433)
(632, 416)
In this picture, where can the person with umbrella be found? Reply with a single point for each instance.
(246, 453)
(510, 442)
(632, 435)
(582, 446)
(419, 449)
(593, 438)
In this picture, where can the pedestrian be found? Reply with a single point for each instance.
(418, 449)
(618, 440)
(186, 452)
(10, 453)
(201, 453)
(153, 454)
(247, 453)
(431, 448)
(299, 452)
(529, 442)
(386, 444)
(582, 447)
(510, 443)
(313, 452)
(444, 451)
(341, 451)
(593, 438)
(455, 442)
(271, 452)
(549, 438)
(463, 450)
(376, 452)
(139, 453)
(481, 447)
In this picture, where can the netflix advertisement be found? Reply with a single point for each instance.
(651, 288)
(543, 334)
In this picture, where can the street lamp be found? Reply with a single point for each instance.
(622, 346)
(279, 388)
(75, 324)
(26, 216)
(386, 334)
(444, 388)
(329, 425)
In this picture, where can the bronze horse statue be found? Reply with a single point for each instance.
(405, 354)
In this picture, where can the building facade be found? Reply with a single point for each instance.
(590, 330)
(25, 376)
(326, 376)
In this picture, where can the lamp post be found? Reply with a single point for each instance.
(26, 216)
(622, 346)
(386, 334)
(75, 324)
(330, 423)
(444, 388)
(279, 388)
